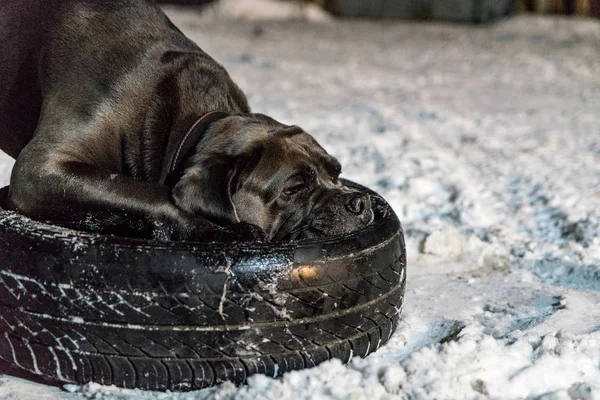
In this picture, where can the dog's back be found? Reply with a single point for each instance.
(21, 30)
(81, 46)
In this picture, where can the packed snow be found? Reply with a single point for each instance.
(486, 142)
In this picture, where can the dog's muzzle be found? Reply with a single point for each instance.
(337, 212)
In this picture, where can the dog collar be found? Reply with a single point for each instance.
(180, 148)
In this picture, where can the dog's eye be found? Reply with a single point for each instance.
(292, 190)
(294, 185)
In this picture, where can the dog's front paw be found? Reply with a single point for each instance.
(176, 225)
(241, 232)
(245, 232)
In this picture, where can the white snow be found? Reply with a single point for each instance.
(486, 142)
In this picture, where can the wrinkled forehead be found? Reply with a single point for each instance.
(285, 153)
(292, 150)
(285, 141)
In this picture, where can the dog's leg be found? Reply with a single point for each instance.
(21, 32)
(84, 197)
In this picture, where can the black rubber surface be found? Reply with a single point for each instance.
(79, 307)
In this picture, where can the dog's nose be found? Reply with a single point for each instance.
(358, 203)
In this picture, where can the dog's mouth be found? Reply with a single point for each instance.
(340, 214)
(295, 234)
(332, 227)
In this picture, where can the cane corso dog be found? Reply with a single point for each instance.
(120, 124)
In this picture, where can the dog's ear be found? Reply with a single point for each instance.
(205, 189)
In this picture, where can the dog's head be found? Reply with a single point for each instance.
(253, 169)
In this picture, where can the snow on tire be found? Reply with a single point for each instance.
(79, 307)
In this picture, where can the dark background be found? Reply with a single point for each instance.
(421, 9)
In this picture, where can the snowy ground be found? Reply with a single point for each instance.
(486, 141)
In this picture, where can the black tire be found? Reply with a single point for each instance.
(79, 307)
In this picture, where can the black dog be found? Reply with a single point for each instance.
(120, 124)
